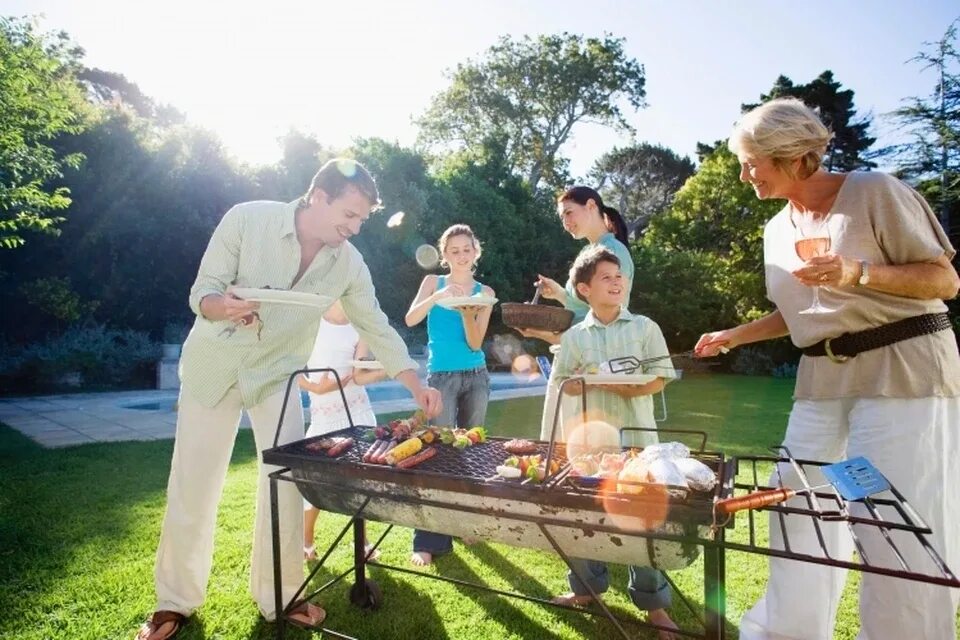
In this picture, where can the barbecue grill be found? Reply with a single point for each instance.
(458, 492)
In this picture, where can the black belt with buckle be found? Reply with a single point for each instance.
(842, 348)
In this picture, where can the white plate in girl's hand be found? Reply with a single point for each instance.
(467, 301)
(366, 364)
(281, 296)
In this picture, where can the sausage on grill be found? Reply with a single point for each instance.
(381, 457)
(416, 459)
(340, 447)
(374, 450)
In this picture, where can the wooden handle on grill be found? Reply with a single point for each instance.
(754, 500)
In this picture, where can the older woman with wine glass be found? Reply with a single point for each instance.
(879, 375)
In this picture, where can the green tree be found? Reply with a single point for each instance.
(934, 123)
(847, 150)
(108, 88)
(640, 180)
(716, 215)
(143, 209)
(527, 95)
(39, 100)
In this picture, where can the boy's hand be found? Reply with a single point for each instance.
(573, 388)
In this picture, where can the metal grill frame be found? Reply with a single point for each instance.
(365, 593)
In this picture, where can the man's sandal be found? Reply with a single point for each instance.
(311, 623)
(156, 621)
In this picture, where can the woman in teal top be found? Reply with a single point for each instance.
(584, 216)
(456, 365)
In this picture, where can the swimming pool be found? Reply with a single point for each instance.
(500, 384)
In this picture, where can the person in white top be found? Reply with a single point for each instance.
(337, 345)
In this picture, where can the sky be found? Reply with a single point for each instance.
(251, 71)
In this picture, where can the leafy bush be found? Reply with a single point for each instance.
(752, 361)
(681, 292)
(786, 370)
(91, 356)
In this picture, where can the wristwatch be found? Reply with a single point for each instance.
(864, 278)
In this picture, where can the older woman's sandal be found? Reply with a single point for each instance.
(162, 625)
(309, 616)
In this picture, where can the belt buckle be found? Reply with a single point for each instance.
(830, 354)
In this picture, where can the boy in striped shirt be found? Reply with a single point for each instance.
(610, 331)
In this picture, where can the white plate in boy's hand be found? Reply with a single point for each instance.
(617, 378)
(281, 296)
(366, 364)
(467, 301)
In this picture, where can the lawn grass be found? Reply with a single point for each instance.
(79, 528)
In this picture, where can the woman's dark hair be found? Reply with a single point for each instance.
(611, 217)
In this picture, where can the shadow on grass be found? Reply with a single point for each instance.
(63, 511)
(594, 623)
(515, 621)
(406, 612)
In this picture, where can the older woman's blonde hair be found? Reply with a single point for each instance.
(784, 130)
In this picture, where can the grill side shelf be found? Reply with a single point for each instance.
(876, 516)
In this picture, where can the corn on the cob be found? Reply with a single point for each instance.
(404, 450)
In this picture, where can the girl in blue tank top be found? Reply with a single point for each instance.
(456, 365)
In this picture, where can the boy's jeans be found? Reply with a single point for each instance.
(648, 589)
(465, 395)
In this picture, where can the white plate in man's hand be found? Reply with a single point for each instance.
(366, 364)
(454, 302)
(281, 296)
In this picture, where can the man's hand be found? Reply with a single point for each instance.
(427, 397)
(238, 310)
(228, 306)
(430, 401)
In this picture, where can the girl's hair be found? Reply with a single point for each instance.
(457, 230)
(784, 130)
(611, 217)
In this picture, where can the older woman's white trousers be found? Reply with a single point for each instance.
(201, 455)
(916, 444)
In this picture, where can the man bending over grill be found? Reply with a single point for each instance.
(238, 357)
(610, 331)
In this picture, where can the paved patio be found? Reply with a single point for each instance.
(82, 418)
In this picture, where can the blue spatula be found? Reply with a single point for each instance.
(854, 479)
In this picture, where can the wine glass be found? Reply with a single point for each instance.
(812, 240)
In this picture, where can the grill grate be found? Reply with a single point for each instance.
(476, 462)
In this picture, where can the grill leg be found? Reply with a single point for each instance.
(596, 598)
(714, 590)
(275, 531)
(359, 552)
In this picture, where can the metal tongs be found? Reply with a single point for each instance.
(630, 364)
